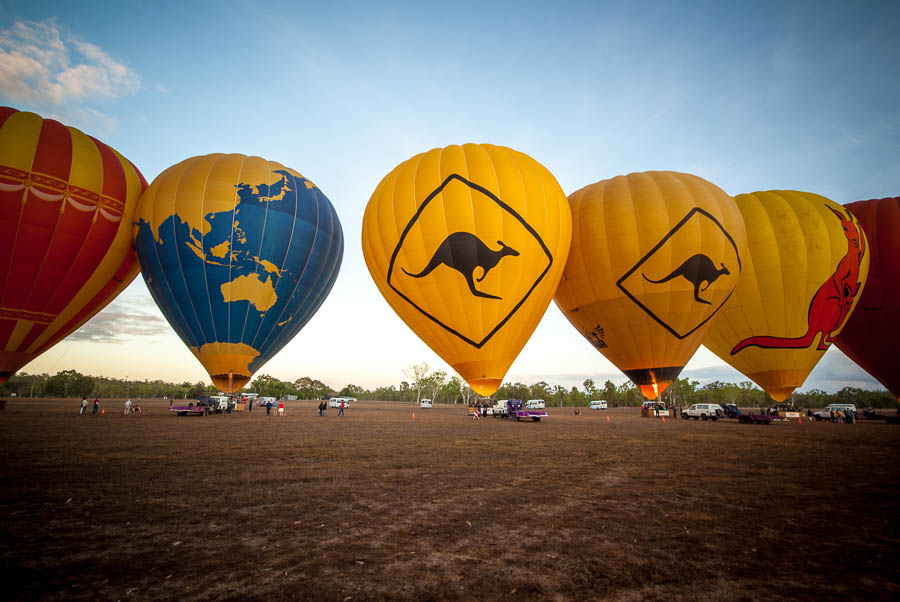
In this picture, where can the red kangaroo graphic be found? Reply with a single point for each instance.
(832, 302)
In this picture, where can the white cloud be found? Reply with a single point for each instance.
(117, 324)
(41, 64)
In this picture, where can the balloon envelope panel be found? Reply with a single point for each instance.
(238, 253)
(66, 206)
(654, 257)
(807, 264)
(871, 336)
(467, 244)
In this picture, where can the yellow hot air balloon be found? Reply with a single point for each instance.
(467, 244)
(654, 257)
(806, 266)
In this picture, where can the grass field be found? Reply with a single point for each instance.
(378, 505)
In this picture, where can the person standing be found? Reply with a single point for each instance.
(127, 407)
(84, 405)
(96, 405)
(341, 412)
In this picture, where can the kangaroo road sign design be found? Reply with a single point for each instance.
(454, 265)
(706, 260)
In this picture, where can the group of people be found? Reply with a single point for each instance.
(271, 404)
(323, 408)
(84, 406)
(130, 408)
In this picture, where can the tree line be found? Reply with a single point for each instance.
(438, 386)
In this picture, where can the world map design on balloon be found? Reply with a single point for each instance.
(247, 275)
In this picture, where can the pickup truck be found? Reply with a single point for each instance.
(754, 419)
(534, 415)
(201, 409)
(500, 409)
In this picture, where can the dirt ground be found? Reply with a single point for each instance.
(381, 505)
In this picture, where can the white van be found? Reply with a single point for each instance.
(335, 402)
(825, 414)
(598, 404)
(704, 411)
(535, 404)
(425, 403)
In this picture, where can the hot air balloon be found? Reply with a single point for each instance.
(806, 266)
(871, 336)
(66, 206)
(467, 244)
(238, 253)
(654, 257)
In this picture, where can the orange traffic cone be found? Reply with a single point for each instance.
(663, 418)
(414, 416)
(799, 421)
(102, 412)
(607, 417)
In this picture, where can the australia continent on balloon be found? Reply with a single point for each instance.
(229, 243)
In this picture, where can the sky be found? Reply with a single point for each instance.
(748, 95)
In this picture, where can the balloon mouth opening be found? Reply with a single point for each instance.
(5, 375)
(230, 382)
(485, 386)
(653, 390)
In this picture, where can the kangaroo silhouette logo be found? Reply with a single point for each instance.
(495, 288)
(696, 270)
(831, 304)
(464, 252)
(712, 267)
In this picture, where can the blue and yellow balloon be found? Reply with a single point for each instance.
(238, 253)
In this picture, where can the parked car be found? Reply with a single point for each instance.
(425, 402)
(535, 404)
(335, 402)
(599, 404)
(704, 411)
(825, 413)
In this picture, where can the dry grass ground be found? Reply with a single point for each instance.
(377, 505)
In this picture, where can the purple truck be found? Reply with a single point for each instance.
(191, 410)
(755, 419)
(534, 415)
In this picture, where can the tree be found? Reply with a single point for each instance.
(352, 391)
(453, 388)
(559, 395)
(435, 382)
(309, 388)
(539, 390)
(70, 382)
(589, 389)
(628, 394)
(417, 373)
(609, 392)
(198, 390)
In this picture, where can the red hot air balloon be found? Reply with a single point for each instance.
(67, 205)
(871, 336)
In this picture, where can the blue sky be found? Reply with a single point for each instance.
(751, 96)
